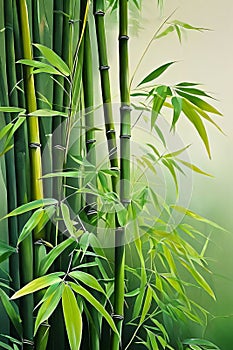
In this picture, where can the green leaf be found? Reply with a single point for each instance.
(147, 305)
(158, 102)
(193, 91)
(5, 346)
(94, 302)
(201, 342)
(39, 203)
(47, 113)
(67, 220)
(53, 59)
(194, 118)
(199, 102)
(39, 283)
(177, 105)
(152, 339)
(5, 130)
(41, 67)
(176, 153)
(6, 251)
(30, 225)
(48, 70)
(72, 317)
(196, 216)
(156, 73)
(12, 110)
(49, 259)
(11, 312)
(167, 31)
(87, 279)
(188, 26)
(48, 307)
(193, 167)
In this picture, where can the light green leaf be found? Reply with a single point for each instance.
(48, 260)
(94, 302)
(30, 225)
(48, 70)
(5, 130)
(5, 346)
(48, 307)
(177, 105)
(201, 342)
(152, 339)
(53, 59)
(6, 251)
(12, 110)
(196, 216)
(176, 153)
(167, 31)
(147, 305)
(39, 283)
(194, 118)
(39, 203)
(33, 63)
(11, 312)
(158, 102)
(87, 279)
(156, 73)
(72, 317)
(47, 113)
(199, 103)
(67, 220)
(193, 167)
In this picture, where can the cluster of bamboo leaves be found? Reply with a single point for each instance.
(60, 287)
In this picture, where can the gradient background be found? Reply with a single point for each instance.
(207, 58)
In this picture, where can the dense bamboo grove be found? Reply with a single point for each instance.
(93, 258)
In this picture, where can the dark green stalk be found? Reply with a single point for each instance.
(125, 134)
(10, 166)
(98, 6)
(88, 89)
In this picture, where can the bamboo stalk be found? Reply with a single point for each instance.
(125, 134)
(98, 7)
(9, 157)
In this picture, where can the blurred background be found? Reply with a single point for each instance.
(206, 58)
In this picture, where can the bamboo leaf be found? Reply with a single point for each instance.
(12, 110)
(72, 317)
(49, 259)
(5, 346)
(199, 103)
(53, 59)
(47, 113)
(158, 102)
(30, 225)
(156, 73)
(39, 203)
(201, 342)
(152, 339)
(6, 251)
(147, 305)
(5, 130)
(167, 31)
(38, 283)
(196, 216)
(48, 70)
(94, 302)
(48, 306)
(193, 167)
(194, 118)
(11, 312)
(193, 91)
(87, 279)
(67, 220)
(177, 105)
(33, 63)
(176, 153)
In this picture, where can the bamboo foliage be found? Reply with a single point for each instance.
(74, 292)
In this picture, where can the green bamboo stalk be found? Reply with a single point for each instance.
(98, 7)
(33, 125)
(9, 158)
(125, 134)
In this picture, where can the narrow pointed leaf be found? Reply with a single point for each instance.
(6, 251)
(158, 102)
(193, 167)
(11, 312)
(167, 31)
(72, 317)
(87, 279)
(30, 225)
(53, 59)
(147, 305)
(49, 259)
(177, 105)
(38, 283)
(47, 113)
(156, 73)
(194, 118)
(94, 302)
(39, 203)
(199, 103)
(48, 307)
